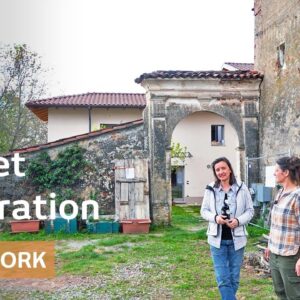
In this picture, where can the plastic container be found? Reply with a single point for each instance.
(116, 227)
(72, 226)
(91, 227)
(136, 225)
(60, 224)
(103, 227)
(25, 226)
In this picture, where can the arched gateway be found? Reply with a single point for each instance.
(173, 95)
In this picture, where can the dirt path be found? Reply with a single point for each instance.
(48, 285)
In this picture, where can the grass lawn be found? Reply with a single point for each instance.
(168, 263)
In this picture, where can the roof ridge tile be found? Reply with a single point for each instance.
(199, 74)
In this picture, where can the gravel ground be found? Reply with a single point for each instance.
(104, 287)
(81, 287)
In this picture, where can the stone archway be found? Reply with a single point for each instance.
(205, 136)
(172, 96)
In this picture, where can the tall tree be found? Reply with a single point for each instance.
(20, 81)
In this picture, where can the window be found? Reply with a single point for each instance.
(103, 126)
(217, 135)
(281, 56)
(106, 125)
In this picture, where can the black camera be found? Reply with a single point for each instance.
(225, 209)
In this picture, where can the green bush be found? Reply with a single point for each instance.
(59, 175)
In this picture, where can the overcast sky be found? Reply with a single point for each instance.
(103, 45)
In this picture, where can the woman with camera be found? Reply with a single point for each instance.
(228, 207)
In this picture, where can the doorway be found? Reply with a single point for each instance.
(177, 180)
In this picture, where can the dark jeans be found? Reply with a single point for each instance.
(227, 265)
(285, 280)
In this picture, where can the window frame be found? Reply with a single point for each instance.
(220, 140)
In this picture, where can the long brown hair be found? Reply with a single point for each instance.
(232, 179)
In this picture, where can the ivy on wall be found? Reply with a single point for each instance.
(60, 175)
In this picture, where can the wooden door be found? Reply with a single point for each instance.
(132, 189)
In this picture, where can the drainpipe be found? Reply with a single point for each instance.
(246, 170)
(90, 119)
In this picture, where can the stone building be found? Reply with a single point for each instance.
(262, 107)
(103, 150)
(277, 56)
(172, 97)
(210, 134)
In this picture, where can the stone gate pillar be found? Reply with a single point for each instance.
(156, 139)
(251, 134)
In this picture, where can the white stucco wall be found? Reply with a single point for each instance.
(114, 115)
(66, 122)
(194, 132)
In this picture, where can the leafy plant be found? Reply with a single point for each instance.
(178, 151)
(99, 127)
(60, 175)
(38, 171)
(93, 195)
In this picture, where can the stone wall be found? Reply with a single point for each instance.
(277, 23)
(98, 179)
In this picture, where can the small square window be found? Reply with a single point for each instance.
(217, 135)
(281, 56)
(106, 125)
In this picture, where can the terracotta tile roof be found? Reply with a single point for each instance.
(94, 100)
(238, 66)
(130, 100)
(224, 75)
(75, 138)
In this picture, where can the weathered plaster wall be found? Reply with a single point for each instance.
(101, 151)
(278, 22)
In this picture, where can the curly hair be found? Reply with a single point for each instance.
(292, 164)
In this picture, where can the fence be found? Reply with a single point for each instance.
(259, 177)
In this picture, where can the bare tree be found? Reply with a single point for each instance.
(20, 81)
